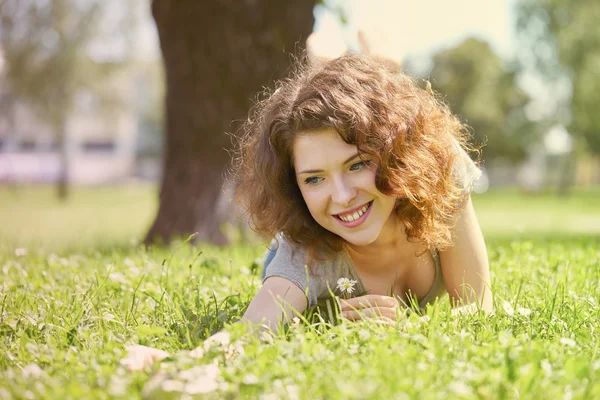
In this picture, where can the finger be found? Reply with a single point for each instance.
(384, 321)
(134, 362)
(369, 301)
(366, 313)
(158, 355)
(140, 349)
(139, 357)
(380, 319)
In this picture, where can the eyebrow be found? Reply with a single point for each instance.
(313, 171)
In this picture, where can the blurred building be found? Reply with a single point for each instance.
(101, 148)
(104, 144)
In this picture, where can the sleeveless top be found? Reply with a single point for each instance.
(319, 285)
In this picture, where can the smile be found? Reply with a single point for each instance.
(355, 218)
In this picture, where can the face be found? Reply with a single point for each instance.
(339, 188)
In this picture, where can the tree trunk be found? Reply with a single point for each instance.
(218, 55)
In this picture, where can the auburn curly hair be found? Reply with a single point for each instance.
(372, 104)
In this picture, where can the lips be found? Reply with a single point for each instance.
(355, 216)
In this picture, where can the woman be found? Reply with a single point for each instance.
(363, 179)
(362, 175)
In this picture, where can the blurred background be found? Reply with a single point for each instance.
(114, 113)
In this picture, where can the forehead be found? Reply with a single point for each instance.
(320, 149)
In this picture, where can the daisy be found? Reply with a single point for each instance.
(346, 286)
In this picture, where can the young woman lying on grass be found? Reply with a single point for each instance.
(364, 181)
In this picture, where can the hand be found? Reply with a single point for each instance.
(384, 309)
(139, 357)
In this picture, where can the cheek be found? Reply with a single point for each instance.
(314, 201)
(367, 179)
(309, 198)
(389, 203)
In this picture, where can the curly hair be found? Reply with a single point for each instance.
(372, 104)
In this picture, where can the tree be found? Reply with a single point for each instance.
(217, 55)
(482, 90)
(49, 57)
(560, 39)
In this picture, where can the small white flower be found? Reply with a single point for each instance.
(32, 371)
(172, 385)
(250, 379)
(546, 366)
(524, 311)
(346, 285)
(117, 277)
(205, 380)
(219, 339)
(109, 317)
(461, 388)
(293, 391)
(21, 251)
(129, 262)
(508, 308)
(568, 342)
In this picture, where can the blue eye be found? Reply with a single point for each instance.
(312, 180)
(358, 166)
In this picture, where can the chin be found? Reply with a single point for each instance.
(359, 240)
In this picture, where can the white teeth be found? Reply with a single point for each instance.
(355, 216)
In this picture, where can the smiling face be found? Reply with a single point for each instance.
(339, 188)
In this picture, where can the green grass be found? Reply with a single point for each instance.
(79, 296)
(99, 217)
(509, 213)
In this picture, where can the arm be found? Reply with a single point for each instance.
(465, 265)
(465, 269)
(277, 300)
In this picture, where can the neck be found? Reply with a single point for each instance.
(390, 239)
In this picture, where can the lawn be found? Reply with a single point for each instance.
(76, 288)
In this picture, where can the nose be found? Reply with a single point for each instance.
(343, 192)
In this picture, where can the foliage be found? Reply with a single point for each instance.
(481, 88)
(560, 38)
(52, 48)
(56, 61)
